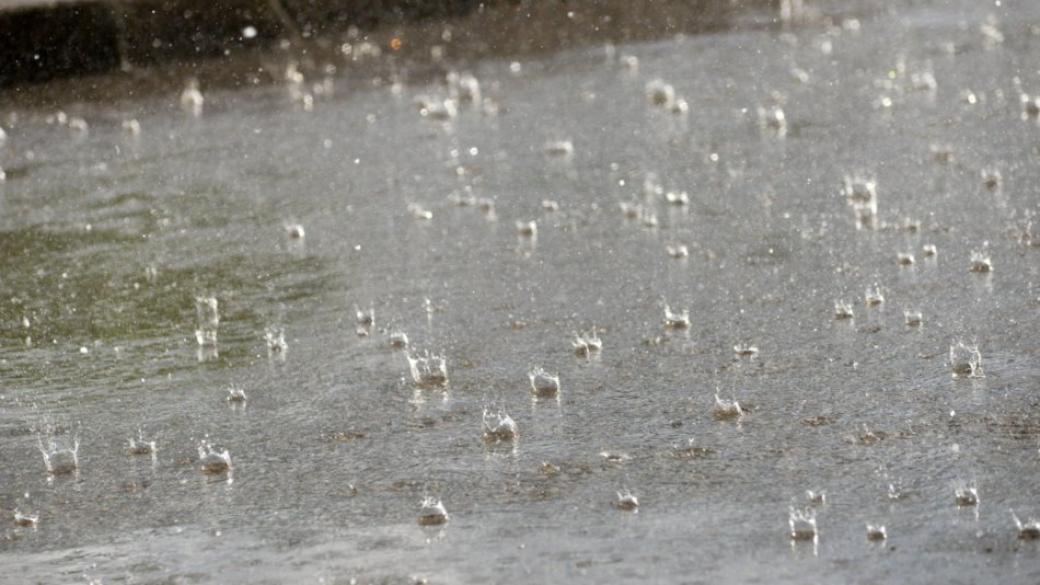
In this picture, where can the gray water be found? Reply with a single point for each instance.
(335, 447)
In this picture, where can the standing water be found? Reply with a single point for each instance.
(781, 193)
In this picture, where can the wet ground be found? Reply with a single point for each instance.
(108, 237)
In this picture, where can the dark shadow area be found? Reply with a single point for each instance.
(40, 44)
(61, 41)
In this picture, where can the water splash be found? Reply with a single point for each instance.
(274, 337)
(561, 148)
(861, 194)
(207, 313)
(614, 457)
(499, 427)
(428, 370)
(677, 251)
(1030, 106)
(59, 457)
(691, 450)
(365, 320)
(677, 198)
(544, 384)
(843, 310)
(586, 344)
(191, 98)
(745, 350)
(486, 205)
(816, 498)
(465, 87)
(131, 127)
(980, 262)
(398, 339)
(26, 519)
(876, 532)
(966, 495)
(627, 501)
(941, 153)
(991, 178)
(965, 361)
(1028, 530)
(432, 512)
(236, 395)
(802, 524)
(680, 320)
(441, 110)
(527, 229)
(140, 446)
(211, 460)
(660, 93)
(295, 231)
(631, 210)
(419, 212)
(726, 409)
(772, 119)
(873, 296)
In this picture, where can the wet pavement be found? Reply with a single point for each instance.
(108, 237)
